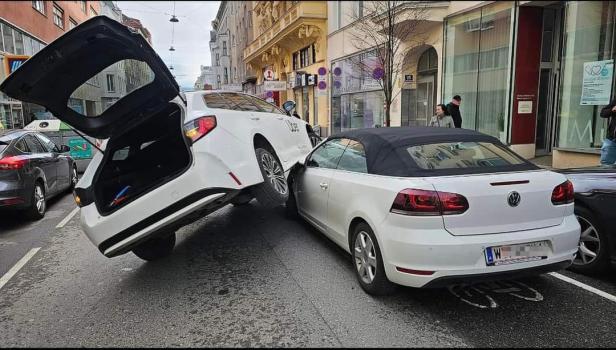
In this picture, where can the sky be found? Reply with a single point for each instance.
(191, 35)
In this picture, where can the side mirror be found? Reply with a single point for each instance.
(288, 106)
(64, 149)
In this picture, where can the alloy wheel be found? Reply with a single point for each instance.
(74, 177)
(365, 257)
(589, 245)
(274, 173)
(39, 198)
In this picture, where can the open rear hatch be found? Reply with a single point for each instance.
(107, 82)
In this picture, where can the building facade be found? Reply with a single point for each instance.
(26, 27)
(534, 74)
(207, 79)
(289, 56)
(232, 32)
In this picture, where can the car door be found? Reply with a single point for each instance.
(60, 162)
(312, 189)
(63, 77)
(42, 159)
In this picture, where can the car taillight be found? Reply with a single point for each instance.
(563, 193)
(196, 129)
(12, 163)
(425, 203)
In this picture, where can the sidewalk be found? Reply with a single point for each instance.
(543, 161)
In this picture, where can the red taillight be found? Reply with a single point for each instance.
(196, 129)
(563, 193)
(12, 163)
(423, 202)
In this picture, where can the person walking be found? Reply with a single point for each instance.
(608, 149)
(454, 110)
(441, 119)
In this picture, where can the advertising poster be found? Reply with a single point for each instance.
(597, 83)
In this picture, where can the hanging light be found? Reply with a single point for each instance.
(171, 48)
(171, 67)
(174, 19)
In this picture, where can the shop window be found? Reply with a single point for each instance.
(39, 6)
(58, 16)
(7, 33)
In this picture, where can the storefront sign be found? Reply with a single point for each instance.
(80, 149)
(597, 83)
(525, 107)
(275, 85)
(231, 87)
(408, 78)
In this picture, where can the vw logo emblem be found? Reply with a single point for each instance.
(514, 199)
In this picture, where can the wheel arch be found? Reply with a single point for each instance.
(357, 219)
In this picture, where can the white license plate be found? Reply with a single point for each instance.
(517, 253)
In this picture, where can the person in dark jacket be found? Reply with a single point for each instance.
(608, 149)
(454, 110)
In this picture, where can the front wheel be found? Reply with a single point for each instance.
(38, 203)
(274, 190)
(593, 249)
(74, 179)
(368, 262)
(156, 248)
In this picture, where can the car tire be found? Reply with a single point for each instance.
(38, 202)
(74, 179)
(593, 240)
(274, 190)
(365, 248)
(156, 248)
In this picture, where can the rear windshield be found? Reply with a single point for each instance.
(459, 155)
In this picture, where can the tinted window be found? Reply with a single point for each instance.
(20, 146)
(457, 155)
(216, 101)
(328, 154)
(239, 103)
(354, 158)
(34, 145)
(47, 143)
(264, 106)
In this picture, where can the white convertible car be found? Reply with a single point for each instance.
(428, 207)
(170, 157)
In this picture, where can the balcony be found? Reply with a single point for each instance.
(304, 11)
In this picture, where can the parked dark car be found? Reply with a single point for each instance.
(32, 170)
(595, 208)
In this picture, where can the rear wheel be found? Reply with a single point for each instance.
(368, 262)
(38, 204)
(74, 179)
(592, 256)
(274, 190)
(156, 248)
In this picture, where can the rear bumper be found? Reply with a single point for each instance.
(14, 195)
(461, 259)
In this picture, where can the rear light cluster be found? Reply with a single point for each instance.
(12, 163)
(428, 203)
(563, 193)
(196, 129)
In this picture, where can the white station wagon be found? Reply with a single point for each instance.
(428, 207)
(170, 158)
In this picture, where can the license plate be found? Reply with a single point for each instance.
(517, 253)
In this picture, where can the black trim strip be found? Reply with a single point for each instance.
(506, 183)
(491, 276)
(163, 213)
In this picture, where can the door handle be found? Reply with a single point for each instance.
(323, 185)
(255, 118)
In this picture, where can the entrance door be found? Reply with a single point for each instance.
(425, 100)
(549, 79)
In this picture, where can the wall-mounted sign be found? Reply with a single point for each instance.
(275, 85)
(12, 62)
(268, 74)
(597, 83)
(311, 79)
(408, 78)
(322, 71)
(231, 87)
(525, 107)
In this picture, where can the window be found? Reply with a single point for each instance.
(218, 78)
(233, 39)
(20, 146)
(304, 57)
(110, 83)
(224, 48)
(84, 7)
(34, 145)
(239, 103)
(226, 75)
(264, 106)
(456, 155)
(58, 16)
(328, 154)
(359, 9)
(354, 158)
(216, 101)
(19, 42)
(7, 33)
(39, 6)
(47, 143)
(71, 23)
(217, 59)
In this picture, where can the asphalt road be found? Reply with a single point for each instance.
(249, 277)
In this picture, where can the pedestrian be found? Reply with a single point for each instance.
(454, 110)
(441, 118)
(608, 149)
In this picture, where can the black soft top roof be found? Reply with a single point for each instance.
(386, 149)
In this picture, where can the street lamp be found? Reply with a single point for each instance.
(174, 19)
(171, 48)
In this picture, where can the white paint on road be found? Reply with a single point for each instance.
(13, 271)
(67, 218)
(583, 286)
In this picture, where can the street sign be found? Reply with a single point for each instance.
(80, 149)
(275, 85)
(268, 74)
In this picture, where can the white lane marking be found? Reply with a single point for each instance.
(583, 286)
(67, 218)
(7, 276)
